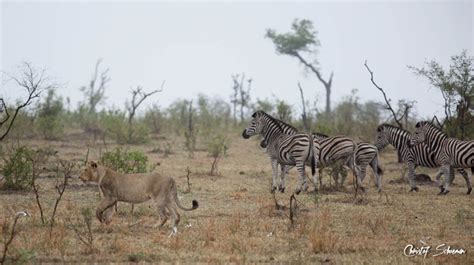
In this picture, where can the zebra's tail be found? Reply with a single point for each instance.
(379, 170)
(313, 165)
(313, 155)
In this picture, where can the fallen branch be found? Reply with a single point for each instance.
(12, 234)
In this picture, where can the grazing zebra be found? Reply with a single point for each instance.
(284, 149)
(332, 149)
(449, 152)
(418, 155)
(366, 154)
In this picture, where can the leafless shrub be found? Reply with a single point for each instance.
(63, 173)
(82, 228)
(188, 188)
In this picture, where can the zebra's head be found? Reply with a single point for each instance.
(419, 135)
(255, 127)
(381, 140)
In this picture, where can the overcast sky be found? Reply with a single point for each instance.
(196, 47)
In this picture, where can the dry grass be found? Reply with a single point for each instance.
(237, 221)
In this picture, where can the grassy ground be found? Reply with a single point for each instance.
(237, 221)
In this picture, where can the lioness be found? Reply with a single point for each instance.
(135, 188)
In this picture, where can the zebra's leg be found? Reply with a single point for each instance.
(360, 171)
(374, 164)
(447, 172)
(284, 172)
(438, 180)
(411, 176)
(274, 174)
(302, 184)
(466, 178)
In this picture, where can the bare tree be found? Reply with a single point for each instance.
(241, 96)
(94, 93)
(234, 99)
(302, 40)
(304, 117)
(190, 133)
(34, 81)
(138, 96)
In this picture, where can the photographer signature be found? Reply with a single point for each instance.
(411, 250)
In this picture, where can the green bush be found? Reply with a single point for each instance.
(18, 169)
(125, 161)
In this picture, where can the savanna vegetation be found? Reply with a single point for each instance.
(47, 213)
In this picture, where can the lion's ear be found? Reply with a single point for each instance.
(93, 164)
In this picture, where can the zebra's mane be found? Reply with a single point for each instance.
(322, 135)
(273, 120)
(430, 124)
(386, 125)
(284, 124)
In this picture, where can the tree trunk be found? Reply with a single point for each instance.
(328, 98)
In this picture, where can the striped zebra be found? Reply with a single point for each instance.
(332, 149)
(414, 156)
(366, 154)
(284, 149)
(449, 152)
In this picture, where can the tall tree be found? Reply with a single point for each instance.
(456, 85)
(241, 96)
(302, 43)
(94, 93)
(138, 96)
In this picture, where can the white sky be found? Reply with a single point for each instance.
(196, 47)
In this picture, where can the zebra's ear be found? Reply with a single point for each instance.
(379, 129)
(418, 124)
(254, 114)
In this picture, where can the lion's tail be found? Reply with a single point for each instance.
(174, 190)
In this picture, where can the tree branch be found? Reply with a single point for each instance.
(303, 115)
(34, 82)
(387, 101)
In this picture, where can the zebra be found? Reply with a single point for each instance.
(332, 149)
(413, 156)
(284, 149)
(366, 154)
(449, 152)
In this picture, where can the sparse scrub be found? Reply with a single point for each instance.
(217, 148)
(82, 228)
(321, 238)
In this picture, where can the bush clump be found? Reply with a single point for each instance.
(125, 161)
(18, 169)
